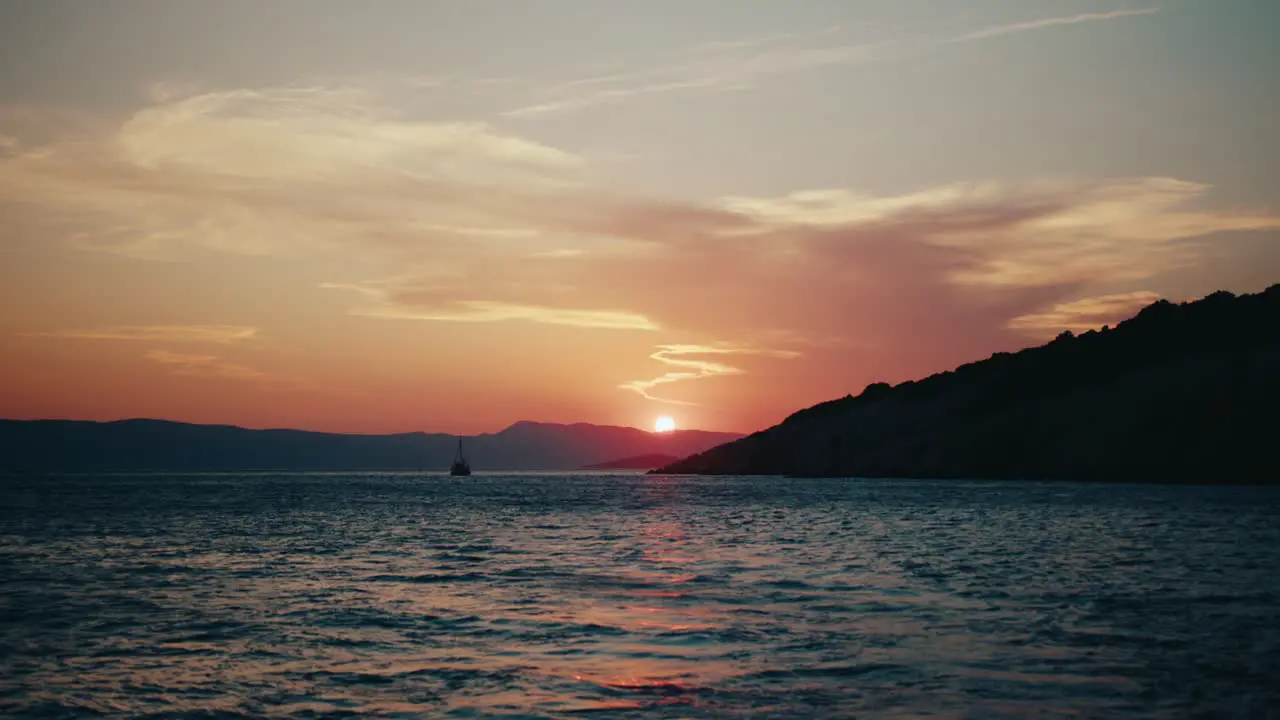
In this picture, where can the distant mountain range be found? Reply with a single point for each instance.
(635, 462)
(1179, 393)
(147, 445)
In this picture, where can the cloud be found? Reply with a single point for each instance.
(463, 223)
(694, 369)
(559, 253)
(911, 282)
(713, 67)
(280, 172)
(205, 366)
(294, 132)
(1085, 314)
(1025, 234)
(732, 65)
(488, 311)
(403, 301)
(216, 368)
(160, 333)
(605, 96)
(1019, 27)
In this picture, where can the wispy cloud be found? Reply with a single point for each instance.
(384, 305)
(1040, 24)
(488, 311)
(1029, 233)
(205, 366)
(741, 64)
(1085, 314)
(680, 356)
(214, 367)
(607, 96)
(294, 171)
(470, 224)
(160, 333)
(714, 67)
(282, 171)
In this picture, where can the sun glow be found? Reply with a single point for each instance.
(664, 424)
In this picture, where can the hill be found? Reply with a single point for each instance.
(147, 445)
(635, 462)
(1179, 393)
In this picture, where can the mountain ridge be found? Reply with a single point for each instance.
(138, 444)
(1177, 393)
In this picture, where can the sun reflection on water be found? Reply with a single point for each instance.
(645, 596)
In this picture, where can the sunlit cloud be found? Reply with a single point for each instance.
(286, 171)
(839, 207)
(1019, 27)
(1026, 234)
(293, 132)
(160, 333)
(214, 367)
(560, 253)
(1084, 314)
(304, 170)
(463, 223)
(693, 368)
(204, 366)
(489, 311)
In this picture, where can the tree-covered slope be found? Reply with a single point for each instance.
(1178, 393)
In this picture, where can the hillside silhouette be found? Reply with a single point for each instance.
(1185, 393)
(152, 445)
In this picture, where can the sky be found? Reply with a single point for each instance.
(451, 216)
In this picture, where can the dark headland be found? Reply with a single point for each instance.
(1180, 393)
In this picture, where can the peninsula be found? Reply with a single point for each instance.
(1182, 393)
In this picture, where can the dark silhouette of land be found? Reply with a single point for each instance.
(1186, 393)
(151, 445)
(635, 462)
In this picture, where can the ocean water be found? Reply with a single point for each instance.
(617, 596)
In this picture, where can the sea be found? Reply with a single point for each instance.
(414, 595)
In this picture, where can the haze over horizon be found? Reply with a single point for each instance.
(451, 216)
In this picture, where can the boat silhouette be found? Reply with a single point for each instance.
(460, 465)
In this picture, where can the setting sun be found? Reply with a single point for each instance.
(664, 424)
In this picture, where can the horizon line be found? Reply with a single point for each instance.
(401, 432)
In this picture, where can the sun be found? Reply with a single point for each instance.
(664, 424)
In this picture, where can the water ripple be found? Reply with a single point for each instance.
(328, 595)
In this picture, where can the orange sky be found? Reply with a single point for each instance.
(677, 217)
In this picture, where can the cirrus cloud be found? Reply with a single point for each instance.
(204, 365)
(1042, 23)
(1084, 314)
(486, 311)
(159, 333)
(465, 223)
(693, 366)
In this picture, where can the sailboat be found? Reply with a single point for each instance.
(460, 466)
